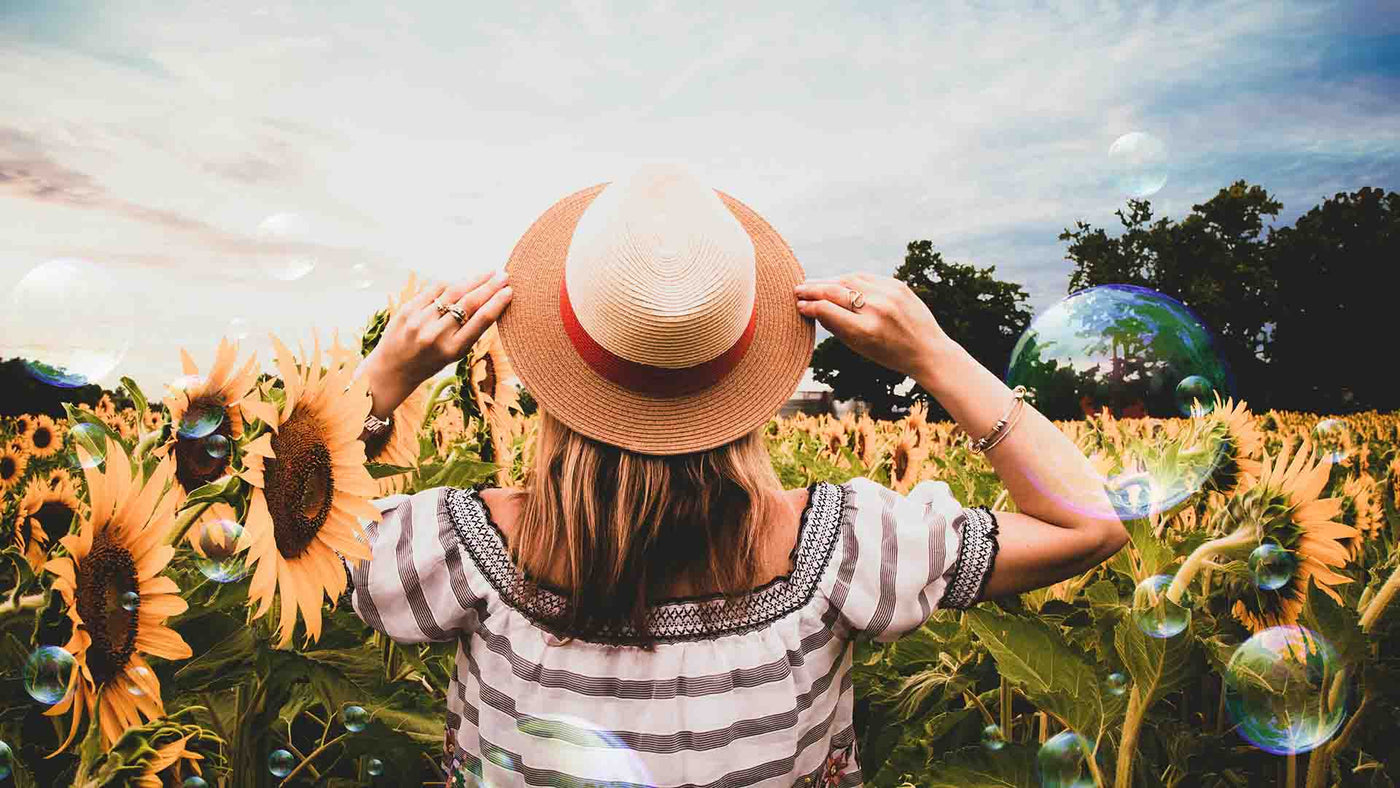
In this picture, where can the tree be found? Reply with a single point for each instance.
(1330, 346)
(982, 313)
(1212, 261)
(25, 393)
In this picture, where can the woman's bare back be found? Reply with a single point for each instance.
(780, 537)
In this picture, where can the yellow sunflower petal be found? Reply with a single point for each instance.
(162, 642)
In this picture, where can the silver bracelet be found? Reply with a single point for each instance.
(1003, 425)
(377, 427)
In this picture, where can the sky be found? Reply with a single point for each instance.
(193, 157)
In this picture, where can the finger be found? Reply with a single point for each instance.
(834, 292)
(836, 319)
(424, 297)
(472, 301)
(481, 320)
(456, 290)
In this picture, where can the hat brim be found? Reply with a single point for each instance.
(567, 387)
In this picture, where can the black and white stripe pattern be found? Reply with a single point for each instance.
(758, 695)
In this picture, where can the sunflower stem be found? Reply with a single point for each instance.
(186, 519)
(1132, 725)
(433, 395)
(1380, 601)
(1193, 563)
(1320, 761)
(13, 606)
(306, 762)
(144, 447)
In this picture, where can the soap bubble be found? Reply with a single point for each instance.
(361, 278)
(133, 687)
(1194, 391)
(1272, 566)
(93, 439)
(194, 781)
(69, 319)
(47, 673)
(355, 718)
(571, 744)
(1063, 761)
(992, 738)
(288, 253)
(216, 446)
(7, 760)
(238, 329)
(281, 763)
(221, 562)
(1128, 350)
(1139, 162)
(374, 767)
(1156, 615)
(1287, 690)
(130, 600)
(202, 416)
(1331, 436)
(1117, 683)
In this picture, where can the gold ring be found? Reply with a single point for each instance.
(439, 306)
(857, 300)
(458, 314)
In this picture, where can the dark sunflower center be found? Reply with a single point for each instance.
(56, 518)
(199, 461)
(488, 383)
(300, 487)
(43, 438)
(103, 577)
(8, 468)
(901, 462)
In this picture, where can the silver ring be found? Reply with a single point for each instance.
(857, 299)
(458, 314)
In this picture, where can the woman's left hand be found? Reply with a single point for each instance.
(421, 339)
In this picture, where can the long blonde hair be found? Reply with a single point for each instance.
(627, 525)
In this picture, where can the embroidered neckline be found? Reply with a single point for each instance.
(672, 619)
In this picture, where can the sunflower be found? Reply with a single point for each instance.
(204, 408)
(492, 397)
(119, 549)
(105, 408)
(1239, 442)
(400, 446)
(866, 441)
(1361, 509)
(151, 420)
(310, 487)
(918, 422)
(45, 513)
(45, 438)
(448, 426)
(13, 461)
(23, 424)
(1284, 508)
(905, 463)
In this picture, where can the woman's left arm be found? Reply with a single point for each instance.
(419, 341)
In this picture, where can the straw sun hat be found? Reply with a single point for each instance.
(656, 314)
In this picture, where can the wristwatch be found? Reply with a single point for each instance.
(376, 428)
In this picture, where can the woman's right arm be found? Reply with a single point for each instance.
(1066, 523)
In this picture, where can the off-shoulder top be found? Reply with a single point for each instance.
(759, 694)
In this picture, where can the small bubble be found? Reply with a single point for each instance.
(1117, 683)
(1063, 761)
(1154, 613)
(47, 673)
(194, 781)
(130, 600)
(1195, 392)
(218, 539)
(216, 446)
(1272, 566)
(1330, 436)
(7, 760)
(93, 440)
(280, 763)
(374, 767)
(355, 718)
(1139, 162)
(992, 738)
(200, 419)
(238, 329)
(288, 254)
(135, 688)
(361, 278)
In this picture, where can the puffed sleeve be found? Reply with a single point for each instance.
(900, 557)
(418, 584)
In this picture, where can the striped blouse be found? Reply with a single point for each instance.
(758, 694)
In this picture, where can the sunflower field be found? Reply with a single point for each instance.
(172, 608)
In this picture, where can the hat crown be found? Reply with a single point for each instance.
(660, 272)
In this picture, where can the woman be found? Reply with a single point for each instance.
(652, 608)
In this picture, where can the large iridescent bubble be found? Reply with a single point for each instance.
(562, 743)
(1133, 352)
(1287, 690)
(68, 320)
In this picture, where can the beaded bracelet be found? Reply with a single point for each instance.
(1004, 424)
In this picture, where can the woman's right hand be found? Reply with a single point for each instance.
(894, 327)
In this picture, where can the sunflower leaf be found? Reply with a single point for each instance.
(223, 665)
(379, 470)
(1013, 766)
(136, 395)
(225, 489)
(1158, 666)
(26, 573)
(1337, 624)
